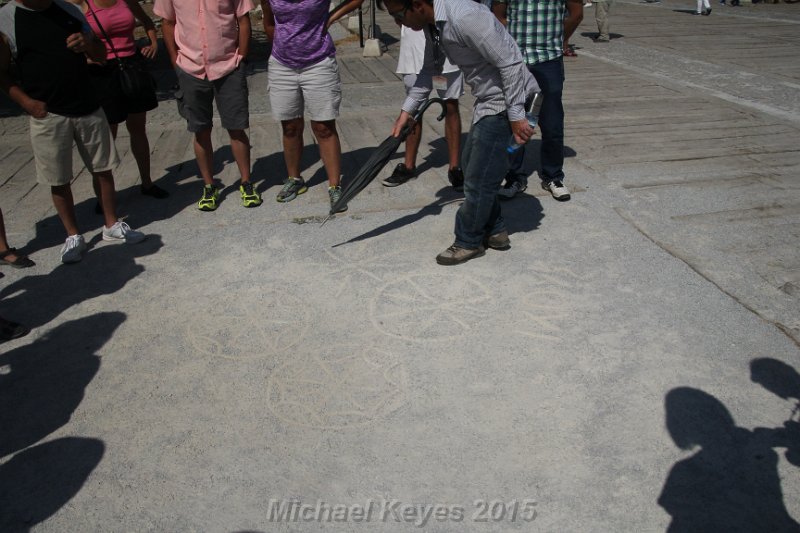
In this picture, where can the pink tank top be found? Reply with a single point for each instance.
(119, 23)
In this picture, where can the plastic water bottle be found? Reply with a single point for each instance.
(532, 108)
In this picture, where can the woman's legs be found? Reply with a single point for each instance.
(330, 150)
(140, 146)
(293, 145)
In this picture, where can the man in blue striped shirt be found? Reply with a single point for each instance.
(472, 39)
(539, 27)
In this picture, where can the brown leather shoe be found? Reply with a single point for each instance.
(455, 255)
(498, 241)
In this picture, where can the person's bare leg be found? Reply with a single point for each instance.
(3, 241)
(65, 207)
(108, 197)
(452, 132)
(95, 183)
(140, 145)
(240, 146)
(412, 146)
(330, 149)
(204, 153)
(293, 145)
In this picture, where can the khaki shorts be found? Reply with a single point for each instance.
(316, 89)
(52, 138)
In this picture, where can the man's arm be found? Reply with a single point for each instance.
(35, 108)
(268, 20)
(168, 31)
(574, 18)
(244, 35)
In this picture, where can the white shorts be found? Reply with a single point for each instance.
(52, 138)
(316, 89)
(455, 85)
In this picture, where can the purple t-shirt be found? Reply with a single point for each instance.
(301, 39)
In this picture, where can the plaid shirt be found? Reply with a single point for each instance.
(538, 28)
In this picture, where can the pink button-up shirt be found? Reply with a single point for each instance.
(207, 34)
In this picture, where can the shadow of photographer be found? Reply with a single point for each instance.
(41, 386)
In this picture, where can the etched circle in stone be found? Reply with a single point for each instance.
(258, 327)
(429, 307)
(354, 388)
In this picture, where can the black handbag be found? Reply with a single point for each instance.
(134, 78)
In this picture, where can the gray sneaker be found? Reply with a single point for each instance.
(121, 232)
(510, 191)
(291, 188)
(455, 255)
(73, 249)
(335, 193)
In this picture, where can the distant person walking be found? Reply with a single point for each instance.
(450, 86)
(703, 8)
(208, 41)
(602, 8)
(50, 41)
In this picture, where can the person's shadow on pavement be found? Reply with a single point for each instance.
(783, 381)
(38, 299)
(41, 385)
(731, 483)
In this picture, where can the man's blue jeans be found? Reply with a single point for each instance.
(550, 77)
(485, 162)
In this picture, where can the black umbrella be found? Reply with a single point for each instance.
(380, 157)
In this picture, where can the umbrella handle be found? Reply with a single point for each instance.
(416, 117)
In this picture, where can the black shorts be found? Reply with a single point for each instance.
(116, 105)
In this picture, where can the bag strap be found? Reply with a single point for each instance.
(103, 31)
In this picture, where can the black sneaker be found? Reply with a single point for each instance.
(456, 177)
(400, 175)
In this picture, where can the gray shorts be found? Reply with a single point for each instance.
(455, 85)
(316, 89)
(195, 97)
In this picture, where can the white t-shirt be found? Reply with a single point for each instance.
(412, 53)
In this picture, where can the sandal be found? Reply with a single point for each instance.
(11, 330)
(21, 261)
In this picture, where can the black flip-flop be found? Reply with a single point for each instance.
(21, 261)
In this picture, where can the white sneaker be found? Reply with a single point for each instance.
(557, 189)
(73, 249)
(120, 231)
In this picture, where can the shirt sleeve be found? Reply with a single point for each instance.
(244, 7)
(424, 83)
(164, 9)
(76, 12)
(487, 36)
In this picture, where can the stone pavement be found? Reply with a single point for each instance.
(629, 364)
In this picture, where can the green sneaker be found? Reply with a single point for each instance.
(291, 188)
(335, 193)
(210, 199)
(250, 198)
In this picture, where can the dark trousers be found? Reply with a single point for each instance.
(550, 77)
